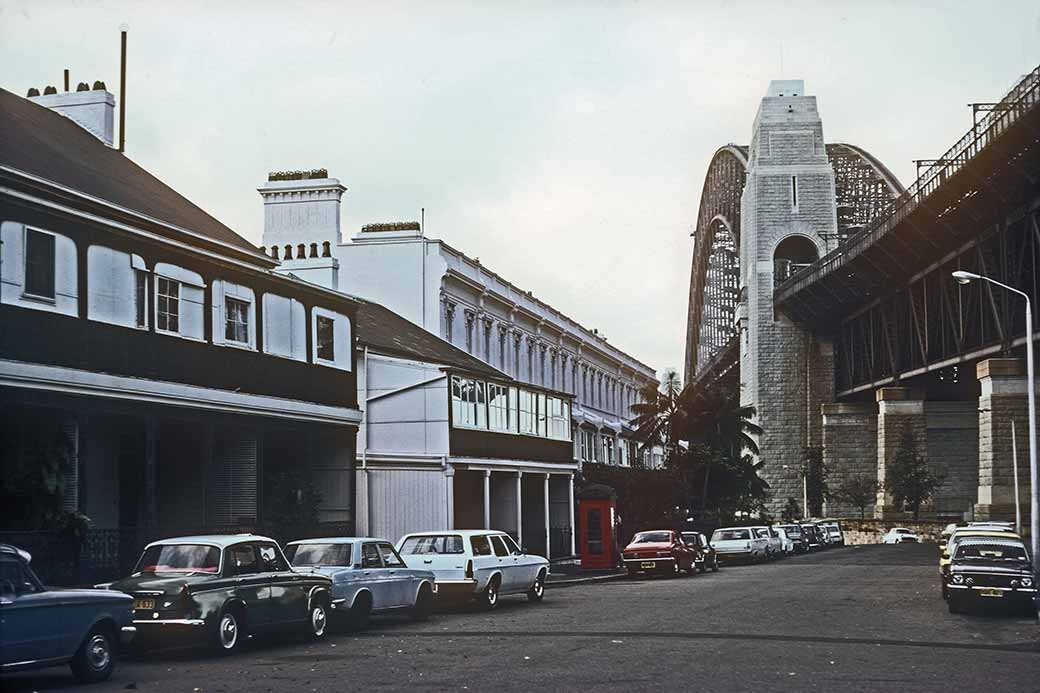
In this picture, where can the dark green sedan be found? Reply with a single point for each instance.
(223, 587)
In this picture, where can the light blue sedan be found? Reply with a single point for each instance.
(41, 627)
(368, 577)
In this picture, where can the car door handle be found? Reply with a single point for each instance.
(428, 560)
(391, 572)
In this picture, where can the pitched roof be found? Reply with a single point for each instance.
(46, 144)
(387, 332)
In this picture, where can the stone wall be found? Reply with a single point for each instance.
(849, 448)
(871, 531)
(953, 449)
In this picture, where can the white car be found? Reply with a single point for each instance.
(479, 564)
(739, 543)
(900, 535)
(835, 536)
(786, 542)
(774, 545)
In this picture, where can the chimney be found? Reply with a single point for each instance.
(92, 109)
(301, 207)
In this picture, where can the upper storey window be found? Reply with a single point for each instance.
(236, 320)
(234, 314)
(326, 345)
(117, 287)
(332, 344)
(38, 269)
(179, 301)
(40, 263)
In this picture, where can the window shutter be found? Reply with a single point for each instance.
(70, 496)
(232, 493)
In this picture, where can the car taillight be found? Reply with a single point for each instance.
(469, 569)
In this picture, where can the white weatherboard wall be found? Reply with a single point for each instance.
(402, 484)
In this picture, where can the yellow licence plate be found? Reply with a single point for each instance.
(991, 593)
(144, 604)
(647, 564)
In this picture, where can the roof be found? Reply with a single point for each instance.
(48, 145)
(219, 540)
(387, 332)
(465, 533)
(990, 541)
(336, 540)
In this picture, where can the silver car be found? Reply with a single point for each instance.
(368, 577)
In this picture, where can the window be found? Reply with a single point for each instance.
(370, 556)
(481, 546)
(15, 578)
(608, 449)
(236, 320)
(542, 416)
(586, 446)
(243, 560)
(40, 259)
(467, 402)
(140, 298)
(511, 545)
(390, 557)
(500, 548)
(320, 554)
(326, 342)
(559, 418)
(527, 412)
(499, 414)
(440, 544)
(271, 559)
(167, 309)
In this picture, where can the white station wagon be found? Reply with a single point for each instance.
(481, 564)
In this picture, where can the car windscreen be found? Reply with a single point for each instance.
(179, 559)
(990, 552)
(652, 538)
(730, 535)
(792, 530)
(691, 538)
(432, 544)
(320, 554)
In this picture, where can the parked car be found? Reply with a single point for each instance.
(900, 535)
(368, 577)
(476, 564)
(221, 587)
(739, 543)
(989, 570)
(814, 541)
(707, 558)
(975, 531)
(797, 536)
(658, 551)
(42, 627)
(786, 542)
(774, 545)
(834, 534)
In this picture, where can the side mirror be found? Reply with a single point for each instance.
(524, 551)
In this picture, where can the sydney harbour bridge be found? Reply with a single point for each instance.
(821, 289)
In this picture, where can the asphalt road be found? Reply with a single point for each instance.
(852, 619)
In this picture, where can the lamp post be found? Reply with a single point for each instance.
(963, 277)
(805, 494)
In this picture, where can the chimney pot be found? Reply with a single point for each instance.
(83, 86)
(99, 85)
(49, 90)
(93, 110)
(33, 91)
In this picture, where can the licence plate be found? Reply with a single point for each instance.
(147, 604)
(647, 564)
(991, 593)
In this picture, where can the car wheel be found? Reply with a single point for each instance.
(230, 630)
(715, 565)
(318, 623)
(488, 599)
(360, 612)
(423, 604)
(95, 658)
(537, 591)
(676, 569)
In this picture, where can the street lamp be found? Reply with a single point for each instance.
(805, 494)
(963, 277)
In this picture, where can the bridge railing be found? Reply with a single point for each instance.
(1022, 98)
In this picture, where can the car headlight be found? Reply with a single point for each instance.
(958, 579)
(1027, 582)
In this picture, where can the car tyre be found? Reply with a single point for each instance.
(423, 604)
(230, 631)
(95, 659)
(715, 565)
(953, 603)
(318, 618)
(537, 591)
(945, 592)
(360, 613)
(488, 599)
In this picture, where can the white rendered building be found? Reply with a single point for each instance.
(456, 297)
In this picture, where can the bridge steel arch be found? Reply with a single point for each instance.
(865, 190)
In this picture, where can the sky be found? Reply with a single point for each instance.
(563, 143)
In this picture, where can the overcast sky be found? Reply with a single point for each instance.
(564, 143)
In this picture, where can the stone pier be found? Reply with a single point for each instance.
(899, 409)
(1003, 399)
(850, 444)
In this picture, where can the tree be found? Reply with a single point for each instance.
(658, 414)
(815, 473)
(910, 480)
(858, 490)
(792, 511)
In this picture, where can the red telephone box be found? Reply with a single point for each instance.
(597, 513)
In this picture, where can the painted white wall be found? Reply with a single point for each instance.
(93, 110)
(12, 271)
(402, 501)
(112, 286)
(407, 408)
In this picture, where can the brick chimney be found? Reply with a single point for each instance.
(93, 109)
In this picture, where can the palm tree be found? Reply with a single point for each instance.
(658, 414)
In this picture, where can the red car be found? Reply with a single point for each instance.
(659, 551)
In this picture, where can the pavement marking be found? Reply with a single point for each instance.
(1024, 648)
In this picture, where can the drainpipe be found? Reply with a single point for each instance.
(364, 449)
